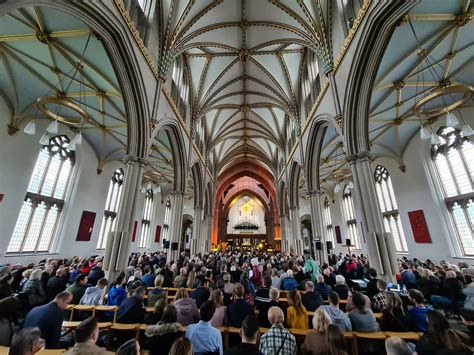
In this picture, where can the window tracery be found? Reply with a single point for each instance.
(388, 205)
(167, 220)
(349, 213)
(146, 219)
(328, 221)
(114, 196)
(454, 162)
(41, 210)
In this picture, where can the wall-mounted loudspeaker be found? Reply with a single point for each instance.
(348, 242)
(318, 245)
(329, 246)
(174, 246)
(166, 244)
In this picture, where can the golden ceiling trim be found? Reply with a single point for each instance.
(43, 101)
(119, 4)
(34, 36)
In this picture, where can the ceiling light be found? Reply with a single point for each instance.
(71, 146)
(435, 139)
(425, 133)
(466, 130)
(44, 140)
(30, 128)
(451, 119)
(53, 127)
(337, 188)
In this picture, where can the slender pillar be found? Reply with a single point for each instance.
(317, 224)
(206, 237)
(197, 233)
(176, 224)
(296, 230)
(380, 245)
(118, 240)
(283, 233)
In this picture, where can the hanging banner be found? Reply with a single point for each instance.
(86, 226)
(419, 227)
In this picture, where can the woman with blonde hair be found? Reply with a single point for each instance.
(219, 318)
(186, 308)
(335, 341)
(315, 341)
(157, 292)
(182, 346)
(191, 279)
(296, 312)
(394, 317)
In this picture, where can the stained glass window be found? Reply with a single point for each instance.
(41, 210)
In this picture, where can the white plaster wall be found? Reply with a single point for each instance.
(86, 191)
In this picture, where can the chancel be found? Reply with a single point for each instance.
(191, 129)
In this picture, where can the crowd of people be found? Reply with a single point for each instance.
(240, 289)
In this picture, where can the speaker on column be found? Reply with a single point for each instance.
(166, 244)
(174, 246)
(348, 242)
(329, 246)
(319, 245)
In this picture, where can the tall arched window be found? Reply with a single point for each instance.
(388, 204)
(328, 221)
(39, 216)
(114, 196)
(454, 162)
(146, 220)
(349, 213)
(167, 221)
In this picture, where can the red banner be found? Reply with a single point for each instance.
(419, 227)
(134, 234)
(86, 225)
(158, 234)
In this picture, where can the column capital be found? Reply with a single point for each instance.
(132, 159)
(293, 208)
(198, 208)
(315, 192)
(178, 193)
(362, 156)
(282, 216)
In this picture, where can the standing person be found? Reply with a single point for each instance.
(315, 341)
(277, 340)
(49, 319)
(311, 299)
(86, 335)
(311, 268)
(296, 312)
(204, 337)
(162, 335)
(239, 309)
(249, 334)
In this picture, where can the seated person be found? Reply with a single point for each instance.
(394, 317)
(397, 346)
(239, 309)
(311, 299)
(362, 318)
(205, 338)
(201, 293)
(27, 341)
(264, 307)
(338, 317)
(162, 335)
(323, 288)
(341, 287)
(277, 337)
(78, 288)
(297, 314)
(117, 292)
(249, 334)
(378, 301)
(131, 310)
(94, 295)
(86, 335)
(263, 294)
(417, 314)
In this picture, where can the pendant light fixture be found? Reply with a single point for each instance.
(451, 119)
(53, 127)
(30, 128)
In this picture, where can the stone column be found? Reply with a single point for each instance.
(317, 223)
(197, 233)
(283, 233)
(296, 230)
(380, 245)
(176, 227)
(118, 240)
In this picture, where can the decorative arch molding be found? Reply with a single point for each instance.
(198, 184)
(178, 152)
(314, 146)
(121, 49)
(295, 172)
(305, 218)
(376, 32)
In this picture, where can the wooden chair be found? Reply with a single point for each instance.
(407, 336)
(113, 309)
